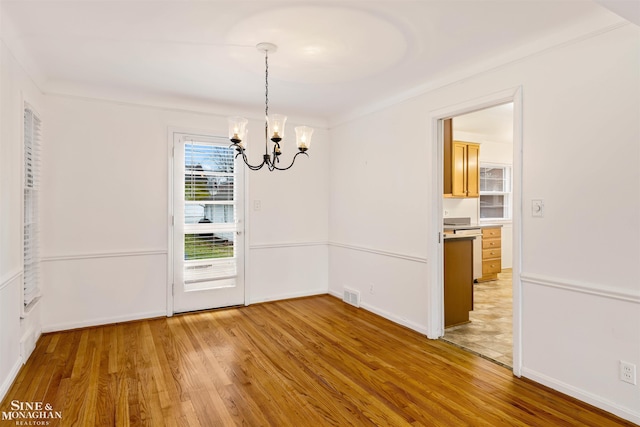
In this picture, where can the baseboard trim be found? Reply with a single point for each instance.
(74, 257)
(65, 326)
(8, 382)
(585, 288)
(289, 296)
(382, 313)
(590, 398)
(379, 252)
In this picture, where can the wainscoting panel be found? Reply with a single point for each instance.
(392, 285)
(287, 270)
(10, 304)
(574, 337)
(97, 289)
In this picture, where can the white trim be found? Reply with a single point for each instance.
(291, 295)
(379, 252)
(387, 315)
(11, 278)
(580, 394)
(174, 132)
(75, 257)
(582, 287)
(516, 224)
(102, 321)
(247, 239)
(286, 245)
(170, 218)
(168, 105)
(435, 291)
(13, 374)
(28, 343)
(504, 60)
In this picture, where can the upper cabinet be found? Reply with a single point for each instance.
(461, 166)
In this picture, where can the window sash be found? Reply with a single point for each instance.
(210, 189)
(490, 212)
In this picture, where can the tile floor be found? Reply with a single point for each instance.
(489, 333)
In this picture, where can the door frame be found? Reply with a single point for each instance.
(435, 284)
(171, 131)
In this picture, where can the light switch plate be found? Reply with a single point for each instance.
(537, 208)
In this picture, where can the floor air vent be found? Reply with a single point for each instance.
(351, 297)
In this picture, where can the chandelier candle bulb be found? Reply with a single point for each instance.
(237, 129)
(303, 137)
(276, 123)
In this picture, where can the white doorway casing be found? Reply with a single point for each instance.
(218, 293)
(435, 320)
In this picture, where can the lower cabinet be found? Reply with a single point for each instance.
(491, 253)
(458, 280)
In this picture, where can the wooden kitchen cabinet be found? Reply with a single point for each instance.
(458, 280)
(491, 253)
(461, 166)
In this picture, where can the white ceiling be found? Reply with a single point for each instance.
(491, 124)
(334, 57)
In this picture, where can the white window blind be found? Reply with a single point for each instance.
(209, 216)
(31, 195)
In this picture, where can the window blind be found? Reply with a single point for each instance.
(209, 215)
(31, 264)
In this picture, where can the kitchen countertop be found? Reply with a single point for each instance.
(457, 236)
(469, 226)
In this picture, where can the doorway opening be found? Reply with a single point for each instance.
(477, 203)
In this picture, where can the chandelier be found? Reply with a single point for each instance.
(273, 126)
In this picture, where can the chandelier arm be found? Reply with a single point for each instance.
(246, 161)
(275, 158)
(292, 162)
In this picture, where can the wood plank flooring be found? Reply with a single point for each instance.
(305, 362)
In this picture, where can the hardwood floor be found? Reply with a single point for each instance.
(307, 362)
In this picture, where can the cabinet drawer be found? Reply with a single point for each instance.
(491, 243)
(488, 233)
(491, 253)
(491, 267)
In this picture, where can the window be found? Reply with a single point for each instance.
(495, 192)
(209, 214)
(31, 222)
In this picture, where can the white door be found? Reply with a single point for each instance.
(208, 208)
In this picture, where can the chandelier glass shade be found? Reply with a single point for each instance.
(274, 129)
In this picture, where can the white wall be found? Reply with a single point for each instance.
(15, 334)
(580, 136)
(105, 249)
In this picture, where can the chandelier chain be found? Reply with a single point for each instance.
(266, 99)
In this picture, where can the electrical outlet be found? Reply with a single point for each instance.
(257, 205)
(371, 290)
(628, 372)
